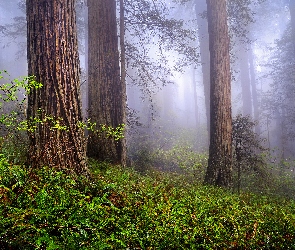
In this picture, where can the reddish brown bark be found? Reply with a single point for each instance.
(219, 171)
(53, 59)
(107, 97)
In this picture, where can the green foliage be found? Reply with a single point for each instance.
(282, 173)
(121, 209)
(250, 168)
(14, 146)
(176, 150)
(117, 133)
(14, 141)
(56, 123)
(14, 124)
(185, 158)
(10, 90)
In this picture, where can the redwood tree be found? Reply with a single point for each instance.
(107, 97)
(55, 108)
(219, 171)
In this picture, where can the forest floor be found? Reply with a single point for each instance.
(123, 209)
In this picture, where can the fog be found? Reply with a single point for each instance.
(165, 85)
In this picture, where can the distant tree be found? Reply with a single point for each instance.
(107, 97)
(201, 12)
(122, 45)
(219, 171)
(240, 15)
(292, 14)
(241, 21)
(278, 102)
(153, 29)
(53, 58)
(245, 79)
(256, 105)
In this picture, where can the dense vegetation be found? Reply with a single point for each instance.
(123, 208)
(120, 208)
(49, 199)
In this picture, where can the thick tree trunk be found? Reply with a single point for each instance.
(53, 58)
(219, 171)
(107, 97)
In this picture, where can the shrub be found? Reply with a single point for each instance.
(122, 209)
(176, 151)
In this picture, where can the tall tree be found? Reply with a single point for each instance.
(254, 89)
(219, 171)
(292, 14)
(196, 106)
(53, 58)
(279, 102)
(204, 53)
(245, 79)
(107, 97)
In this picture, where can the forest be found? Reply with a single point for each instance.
(147, 124)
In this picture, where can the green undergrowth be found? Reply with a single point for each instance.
(122, 209)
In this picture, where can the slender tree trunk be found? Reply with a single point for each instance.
(53, 58)
(123, 77)
(122, 42)
(245, 80)
(195, 99)
(201, 8)
(254, 90)
(107, 97)
(85, 88)
(219, 171)
(292, 13)
(239, 176)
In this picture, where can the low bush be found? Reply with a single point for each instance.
(174, 151)
(122, 209)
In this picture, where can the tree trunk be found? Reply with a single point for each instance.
(219, 171)
(194, 82)
(292, 13)
(254, 90)
(123, 78)
(85, 85)
(203, 34)
(245, 80)
(53, 58)
(107, 97)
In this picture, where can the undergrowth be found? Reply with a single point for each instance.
(122, 209)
